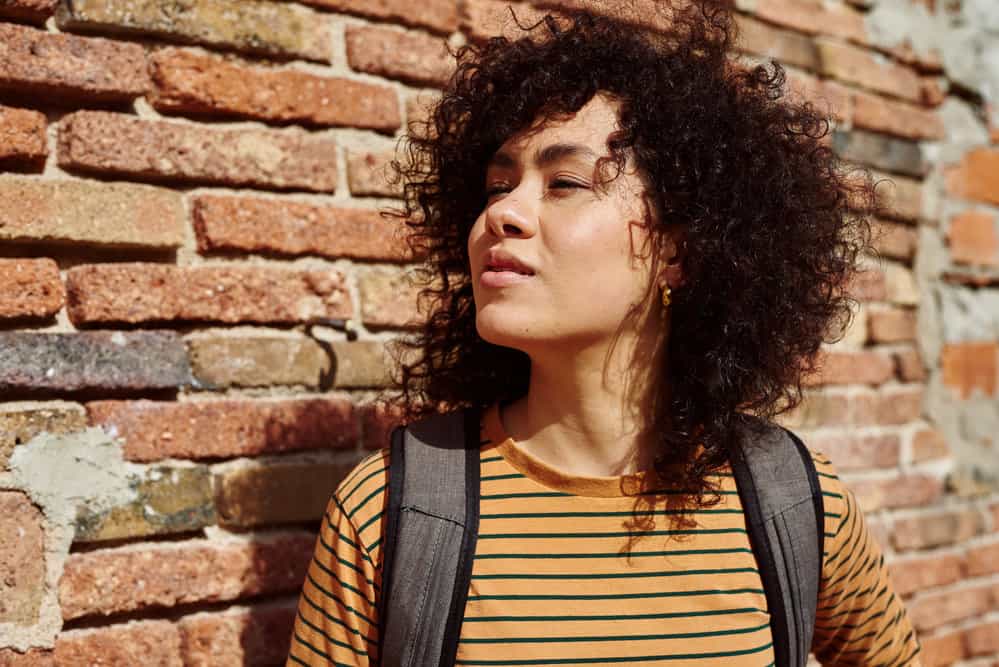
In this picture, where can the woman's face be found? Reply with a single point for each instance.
(578, 242)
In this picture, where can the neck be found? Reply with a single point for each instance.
(587, 409)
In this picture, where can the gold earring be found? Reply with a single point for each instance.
(666, 296)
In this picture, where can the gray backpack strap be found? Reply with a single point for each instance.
(782, 503)
(430, 532)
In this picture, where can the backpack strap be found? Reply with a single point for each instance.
(430, 533)
(782, 502)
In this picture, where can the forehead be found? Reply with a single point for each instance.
(589, 127)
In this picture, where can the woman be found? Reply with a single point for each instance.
(630, 242)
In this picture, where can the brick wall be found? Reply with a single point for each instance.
(187, 186)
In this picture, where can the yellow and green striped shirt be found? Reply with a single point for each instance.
(571, 571)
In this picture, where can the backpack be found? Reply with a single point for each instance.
(432, 524)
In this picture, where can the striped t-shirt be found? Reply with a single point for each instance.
(570, 570)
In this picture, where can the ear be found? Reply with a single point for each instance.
(671, 266)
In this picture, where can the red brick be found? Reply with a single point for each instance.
(982, 639)
(138, 293)
(909, 366)
(791, 48)
(35, 657)
(855, 452)
(983, 559)
(888, 406)
(905, 491)
(929, 444)
(255, 224)
(377, 422)
(934, 530)
(640, 13)
(869, 284)
(90, 213)
(388, 299)
(891, 325)
(438, 15)
(872, 112)
(22, 559)
(851, 64)
(861, 367)
(111, 581)
(933, 90)
(61, 66)
(813, 17)
(482, 19)
(899, 197)
(155, 430)
(192, 81)
(22, 139)
(976, 177)
(973, 239)
(35, 11)
(260, 635)
(115, 143)
(917, 574)
(831, 98)
(968, 367)
(30, 288)
(408, 56)
(146, 643)
(931, 611)
(942, 649)
(370, 173)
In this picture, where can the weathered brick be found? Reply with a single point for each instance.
(861, 67)
(148, 643)
(260, 635)
(22, 138)
(900, 284)
(894, 240)
(35, 657)
(408, 56)
(933, 90)
(934, 530)
(968, 367)
(418, 109)
(257, 361)
(941, 650)
(829, 97)
(916, 574)
(929, 444)
(857, 452)
(909, 366)
(167, 500)
(370, 173)
(819, 409)
(897, 492)
(888, 407)
(116, 143)
(810, 16)
(973, 239)
(887, 324)
(482, 19)
(377, 420)
(95, 360)
(791, 48)
(34, 11)
(30, 288)
(899, 197)
(82, 212)
(982, 639)
(276, 493)
(61, 66)
(872, 112)
(154, 430)
(254, 26)
(255, 224)
(976, 176)
(110, 581)
(880, 151)
(438, 15)
(868, 284)
(137, 292)
(860, 367)
(22, 559)
(360, 363)
(193, 81)
(388, 298)
(983, 559)
(20, 422)
(931, 611)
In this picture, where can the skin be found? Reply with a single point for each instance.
(590, 318)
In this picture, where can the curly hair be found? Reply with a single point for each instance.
(773, 221)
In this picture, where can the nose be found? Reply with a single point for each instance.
(512, 215)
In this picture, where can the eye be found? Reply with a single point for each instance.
(565, 184)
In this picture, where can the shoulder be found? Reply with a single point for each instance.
(360, 498)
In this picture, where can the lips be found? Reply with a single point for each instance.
(500, 260)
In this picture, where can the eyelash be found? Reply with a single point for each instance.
(557, 182)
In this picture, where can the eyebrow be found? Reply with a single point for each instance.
(546, 155)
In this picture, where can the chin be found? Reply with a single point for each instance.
(502, 330)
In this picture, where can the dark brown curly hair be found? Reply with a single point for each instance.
(773, 222)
